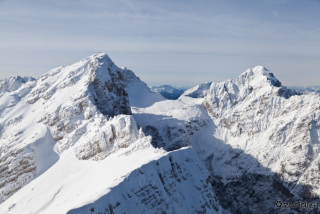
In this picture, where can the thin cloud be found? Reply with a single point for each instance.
(229, 31)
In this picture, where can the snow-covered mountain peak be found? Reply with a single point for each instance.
(100, 56)
(82, 109)
(258, 76)
(278, 126)
(257, 70)
(13, 83)
(260, 69)
(251, 84)
(198, 91)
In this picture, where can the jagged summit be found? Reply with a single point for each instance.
(100, 56)
(258, 75)
(96, 76)
(257, 81)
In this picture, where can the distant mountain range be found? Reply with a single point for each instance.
(307, 88)
(172, 93)
(168, 91)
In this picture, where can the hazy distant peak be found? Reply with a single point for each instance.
(198, 91)
(13, 83)
(168, 91)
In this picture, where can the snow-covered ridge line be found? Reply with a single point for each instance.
(160, 187)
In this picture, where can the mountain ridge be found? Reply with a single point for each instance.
(252, 136)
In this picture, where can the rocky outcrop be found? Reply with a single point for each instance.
(17, 167)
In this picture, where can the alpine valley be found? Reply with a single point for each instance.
(92, 138)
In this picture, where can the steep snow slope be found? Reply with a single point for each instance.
(169, 92)
(140, 95)
(110, 185)
(71, 183)
(69, 137)
(175, 183)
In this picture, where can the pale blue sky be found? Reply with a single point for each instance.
(181, 42)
